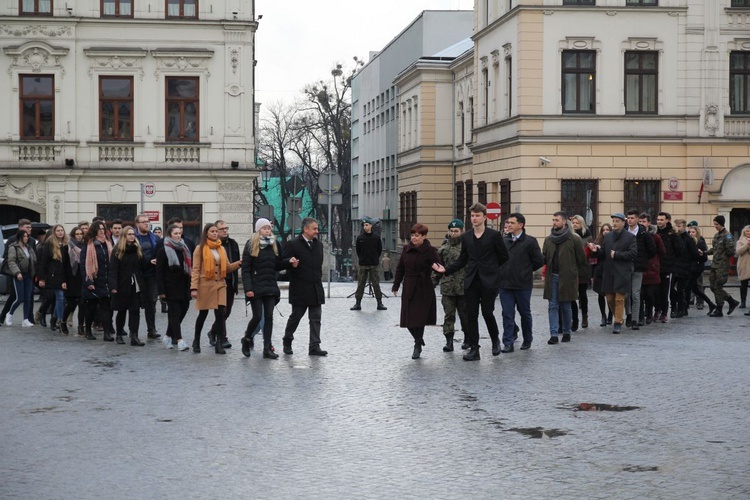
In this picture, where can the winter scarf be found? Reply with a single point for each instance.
(92, 265)
(558, 236)
(170, 248)
(74, 252)
(209, 264)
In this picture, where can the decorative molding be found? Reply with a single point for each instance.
(234, 59)
(642, 43)
(182, 193)
(234, 89)
(495, 57)
(102, 59)
(56, 204)
(483, 62)
(36, 30)
(711, 121)
(36, 56)
(182, 60)
(739, 44)
(508, 50)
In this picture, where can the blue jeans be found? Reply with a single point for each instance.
(554, 308)
(59, 303)
(510, 301)
(24, 295)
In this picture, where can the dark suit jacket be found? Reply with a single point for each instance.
(481, 257)
(305, 280)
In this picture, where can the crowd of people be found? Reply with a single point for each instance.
(109, 274)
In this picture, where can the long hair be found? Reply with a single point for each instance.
(742, 233)
(600, 236)
(122, 243)
(55, 244)
(204, 233)
(93, 229)
(697, 233)
(582, 222)
(255, 245)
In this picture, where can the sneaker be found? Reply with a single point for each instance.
(168, 342)
(565, 337)
(9, 320)
(181, 345)
(26, 323)
(553, 340)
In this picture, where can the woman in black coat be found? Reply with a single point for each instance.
(261, 259)
(74, 277)
(95, 289)
(52, 272)
(418, 304)
(125, 285)
(174, 263)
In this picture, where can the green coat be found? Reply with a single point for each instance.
(571, 259)
(453, 284)
(722, 248)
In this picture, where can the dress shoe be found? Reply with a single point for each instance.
(135, 341)
(617, 328)
(317, 351)
(525, 346)
(269, 354)
(107, 337)
(119, 340)
(733, 303)
(472, 355)
(507, 349)
(553, 340)
(497, 349)
(381, 307)
(245, 346)
(565, 337)
(153, 335)
(288, 348)
(417, 351)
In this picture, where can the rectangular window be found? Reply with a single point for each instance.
(739, 83)
(642, 3)
(182, 8)
(643, 196)
(471, 120)
(460, 202)
(116, 8)
(504, 190)
(182, 109)
(462, 122)
(740, 3)
(191, 217)
(578, 81)
(35, 7)
(509, 84)
(125, 212)
(115, 108)
(641, 81)
(482, 192)
(408, 213)
(579, 2)
(580, 197)
(469, 200)
(37, 107)
(486, 94)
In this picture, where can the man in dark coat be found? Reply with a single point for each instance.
(305, 285)
(564, 256)
(368, 247)
(482, 254)
(148, 240)
(618, 251)
(646, 250)
(674, 248)
(517, 280)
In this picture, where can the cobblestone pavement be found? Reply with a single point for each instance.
(89, 420)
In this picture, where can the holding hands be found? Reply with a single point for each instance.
(438, 268)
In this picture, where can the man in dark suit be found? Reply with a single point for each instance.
(305, 285)
(482, 253)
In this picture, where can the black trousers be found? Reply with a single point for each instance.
(100, 310)
(176, 311)
(262, 307)
(314, 315)
(477, 296)
(662, 304)
(227, 312)
(219, 319)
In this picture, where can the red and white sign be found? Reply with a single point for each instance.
(149, 189)
(493, 210)
(153, 215)
(672, 195)
(673, 184)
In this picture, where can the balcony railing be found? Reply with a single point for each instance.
(182, 154)
(37, 152)
(737, 126)
(115, 154)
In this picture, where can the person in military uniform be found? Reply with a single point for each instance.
(452, 287)
(722, 248)
(369, 247)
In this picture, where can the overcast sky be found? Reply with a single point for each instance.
(299, 41)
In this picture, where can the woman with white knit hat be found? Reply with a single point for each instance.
(261, 259)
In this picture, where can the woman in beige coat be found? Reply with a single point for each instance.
(208, 283)
(743, 264)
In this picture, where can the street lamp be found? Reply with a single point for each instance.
(265, 173)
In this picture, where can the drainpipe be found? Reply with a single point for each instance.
(453, 142)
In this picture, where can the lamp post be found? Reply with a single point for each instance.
(263, 209)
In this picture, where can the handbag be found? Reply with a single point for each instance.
(5, 268)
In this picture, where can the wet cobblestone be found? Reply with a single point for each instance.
(89, 420)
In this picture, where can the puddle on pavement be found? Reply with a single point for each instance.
(598, 407)
(538, 432)
(46, 409)
(640, 468)
(102, 363)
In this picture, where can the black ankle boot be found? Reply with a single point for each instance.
(53, 324)
(89, 334)
(197, 343)
(135, 341)
(417, 350)
(357, 306)
(43, 320)
(120, 340)
(245, 346)
(219, 348)
(381, 307)
(107, 337)
(64, 327)
(448, 347)
(473, 354)
(211, 338)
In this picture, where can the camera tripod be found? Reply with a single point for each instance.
(368, 291)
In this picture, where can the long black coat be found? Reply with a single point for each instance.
(259, 273)
(123, 274)
(101, 280)
(172, 282)
(481, 258)
(305, 280)
(617, 272)
(75, 279)
(418, 304)
(53, 272)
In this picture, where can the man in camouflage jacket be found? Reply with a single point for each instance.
(722, 249)
(452, 287)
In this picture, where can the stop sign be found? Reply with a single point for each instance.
(493, 210)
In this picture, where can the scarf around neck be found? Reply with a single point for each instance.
(92, 264)
(171, 247)
(209, 264)
(558, 236)
(74, 252)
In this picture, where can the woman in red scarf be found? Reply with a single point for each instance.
(208, 283)
(95, 292)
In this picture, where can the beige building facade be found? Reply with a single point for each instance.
(600, 107)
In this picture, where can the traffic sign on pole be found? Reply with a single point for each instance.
(493, 210)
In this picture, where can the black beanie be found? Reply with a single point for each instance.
(720, 219)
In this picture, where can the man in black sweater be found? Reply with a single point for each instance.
(369, 247)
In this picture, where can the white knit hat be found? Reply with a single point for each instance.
(261, 223)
